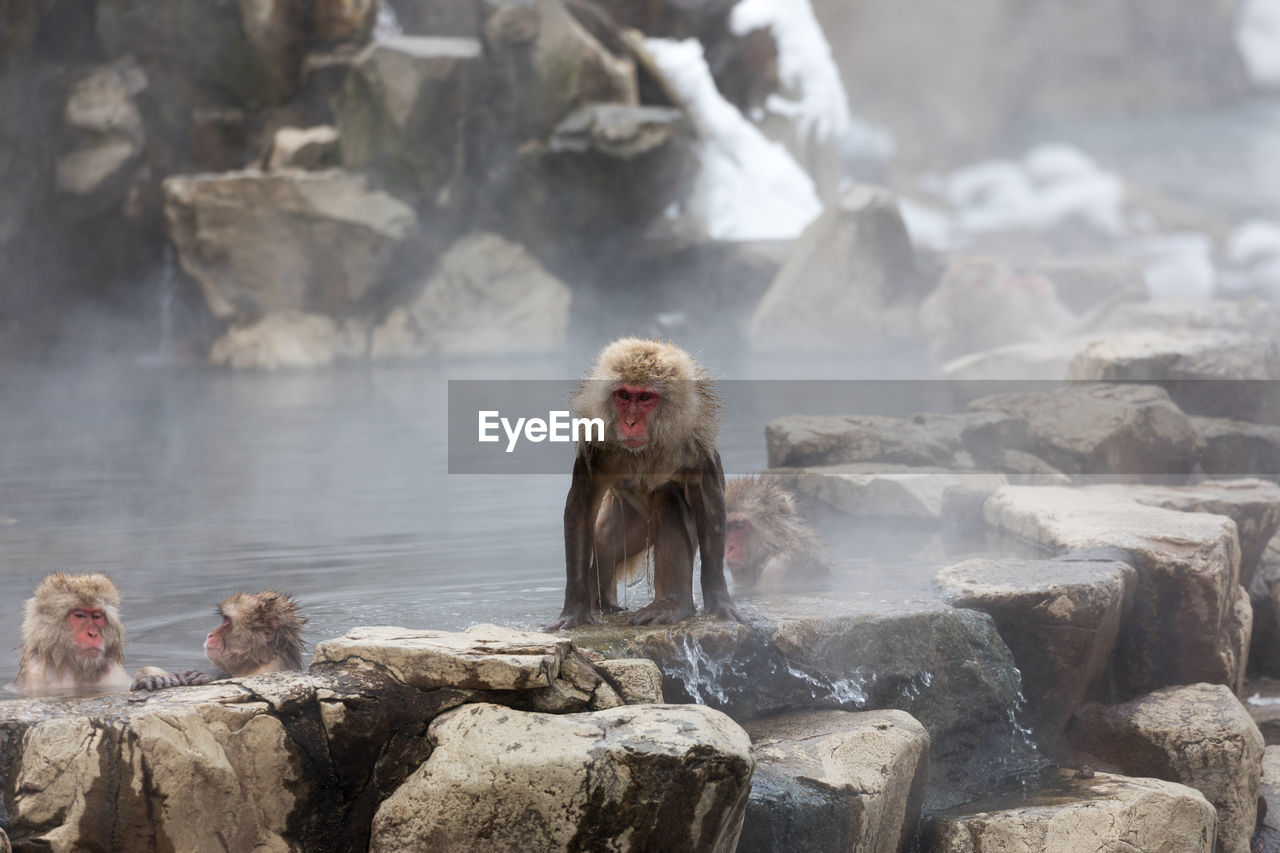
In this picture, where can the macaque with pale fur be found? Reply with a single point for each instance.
(654, 482)
(260, 632)
(768, 546)
(72, 639)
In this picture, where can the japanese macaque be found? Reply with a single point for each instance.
(981, 303)
(260, 632)
(768, 546)
(654, 482)
(72, 639)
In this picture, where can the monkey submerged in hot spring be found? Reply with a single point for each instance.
(768, 546)
(654, 482)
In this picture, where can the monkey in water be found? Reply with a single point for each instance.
(659, 468)
(768, 546)
(260, 632)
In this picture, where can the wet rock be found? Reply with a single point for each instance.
(303, 148)
(1102, 429)
(1105, 812)
(105, 131)
(605, 173)
(946, 667)
(408, 111)
(487, 295)
(1189, 558)
(850, 281)
(298, 241)
(638, 681)
(1262, 699)
(547, 65)
(1198, 735)
(1060, 620)
(289, 339)
(250, 50)
(883, 490)
(633, 778)
(1195, 367)
(1254, 505)
(344, 20)
(835, 780)
(484, 657)
(1238, 448)
(1267, 838)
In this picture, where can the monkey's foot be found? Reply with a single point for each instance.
(724, 609)
(569, 620)
(662, 612)
(610, 607)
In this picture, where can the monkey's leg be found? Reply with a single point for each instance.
(621, 533)
(674, 544)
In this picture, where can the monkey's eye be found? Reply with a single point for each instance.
(623, 394)
(644, 397)
(737, 524)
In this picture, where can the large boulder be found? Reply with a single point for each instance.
(1189, 558)
(487, 295)
(648, 777)
(1268, 836)
(296, 241)
(946, 667)
(287, 339)
(1198, 735)
(1082, 812)
(1102, 429)
(1060, 620)
(850, 281)
(925, 439)
(1238, 448)
(835, 780)
(1199, 369)
(408, 111)
(922, 494)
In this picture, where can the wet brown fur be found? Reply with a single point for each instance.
(265, 626)
(47, 639)
(784, 552)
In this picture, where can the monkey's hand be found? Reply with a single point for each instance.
(154, 678)
(192, 677)
(570, 619)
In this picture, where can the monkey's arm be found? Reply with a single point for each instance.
(580, 510)
(709, 516)
(154, 678)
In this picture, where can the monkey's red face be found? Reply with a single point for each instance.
(737, 543)
(87, 624)
(634, 405)
(214, 643)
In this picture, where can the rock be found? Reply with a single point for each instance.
(439, 18)
(1189, 558)
(605, 174)
(1083, 283)
(1254, 505)
(487, 295)
(303, 148)
(1264, 597)
(1028, 360)
(216, 139)
(1104, 812)
(1171, 359)
(926, 439)
(1102, 429)
(635, 778)
(1262, 700)
(344, 20)
(849, 282)
(883, 490)
(1198, 735)
(302, 241)
(288, 339)
(638, 681)
(1248, 317)
(408, 111)
(835, 780)
(946, 667)
(1238, 448)
(105, 128)
(249, 50)
(5, 847)
(1060, 620)
(546, 65)
(1269, 790)
(484, 657)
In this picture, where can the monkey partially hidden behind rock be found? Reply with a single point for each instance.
(768, 546)
(260, 632)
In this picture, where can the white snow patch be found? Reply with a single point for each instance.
(820, 107)
(1177, 265)
(1258, 37)
(748, 187)
(1254, 241)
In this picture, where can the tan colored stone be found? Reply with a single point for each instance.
(638, 680)
(288, 339)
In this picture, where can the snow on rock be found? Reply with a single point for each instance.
(748, 187)
(1258, 37)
